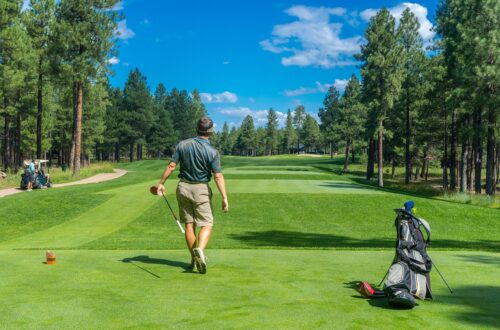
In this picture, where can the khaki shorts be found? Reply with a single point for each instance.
(195, 203)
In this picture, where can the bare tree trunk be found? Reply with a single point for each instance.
(408, 155)
(445, 160)
(380, 154)
(6, 142)
(490, 152)
(77, 137)
(393, 169)
(453, 152)
(477, 145)
(463, 167)
(370, 169)
(346, 160)
(470, 163)
(131, 152)
(39, 115)
(18, 160)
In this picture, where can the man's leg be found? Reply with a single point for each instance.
(204, 237)
(190, 237)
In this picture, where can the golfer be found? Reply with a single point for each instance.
(198, 160)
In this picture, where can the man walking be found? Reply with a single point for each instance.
(198, 160)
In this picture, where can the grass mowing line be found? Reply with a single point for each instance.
(100, 221)
(243, 289)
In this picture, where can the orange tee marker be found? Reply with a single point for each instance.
(51, 258)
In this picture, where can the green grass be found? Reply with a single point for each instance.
(58, 176)
(298, 235)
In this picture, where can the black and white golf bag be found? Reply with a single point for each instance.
(408, 277)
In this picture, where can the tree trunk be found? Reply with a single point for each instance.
(117, 152)
(331, 150)
(490, 152)
(346, 160)
(380, 154)
(370, 169)
(393, 169)
(353, 159)
(77, 137)
(19, 160)
(6, 142)
(468, 172)
(463, 166)
(445, 160)
(453, 152)
(39, 115)
(131, 152)
(408, 155)
(477, 145)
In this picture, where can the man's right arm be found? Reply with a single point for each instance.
(221, 185)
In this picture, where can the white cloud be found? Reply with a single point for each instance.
(114, 60)
(224, 97)
(320, 88)
(123, 32)
(420, 12)
(259, 116)
(313, 40)
(126, 64)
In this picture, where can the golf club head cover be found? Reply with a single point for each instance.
(366, 290)
(409, 206)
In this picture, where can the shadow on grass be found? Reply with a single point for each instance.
(482, 259)
(291, 239)
(281, 238)
(148, 260)
(477, 305)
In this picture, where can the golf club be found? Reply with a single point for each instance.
(451, 291)
(154, 191)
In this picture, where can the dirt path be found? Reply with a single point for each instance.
(93, 179)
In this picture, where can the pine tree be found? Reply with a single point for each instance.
(289, 134)
(352, 117)
(381, 73)
(329, 116)
(310, 133)
(83, 39)
(298, 121)
(271, 131)
(137, 110)
(247, 137)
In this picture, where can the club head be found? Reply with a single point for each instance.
(153, 190)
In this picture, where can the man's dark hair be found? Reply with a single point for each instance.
(205, 126)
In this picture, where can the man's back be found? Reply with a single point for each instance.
(198, 159)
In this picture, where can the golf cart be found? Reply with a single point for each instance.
(36, 174)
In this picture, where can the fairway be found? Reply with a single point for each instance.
(296, 240)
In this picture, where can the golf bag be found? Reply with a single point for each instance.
(408, 277)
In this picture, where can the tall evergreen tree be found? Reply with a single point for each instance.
(271, 131)
(381, 73)
(39, 23)
(137, 110)
(329, 116)
(289, 134)
(247, 137)
(83, 40)
(310, 133)
(299, 116)
(352, 117)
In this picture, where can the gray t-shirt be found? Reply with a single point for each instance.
(197, 159)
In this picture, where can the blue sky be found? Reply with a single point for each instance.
(248, 56)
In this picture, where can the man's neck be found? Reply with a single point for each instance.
(203, 137)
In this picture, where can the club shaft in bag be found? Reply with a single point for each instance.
(441, 275)
(175, 217)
